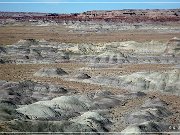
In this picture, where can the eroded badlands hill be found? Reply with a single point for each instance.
(92, 72)
(86, 98)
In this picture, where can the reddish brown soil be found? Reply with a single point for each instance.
(12, 34)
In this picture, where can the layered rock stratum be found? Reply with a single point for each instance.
(97, 72)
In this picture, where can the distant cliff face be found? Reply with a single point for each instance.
(134, 15)
(129, 16)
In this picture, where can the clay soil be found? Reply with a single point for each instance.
(20, 72)
(12, 34)
(13, 72)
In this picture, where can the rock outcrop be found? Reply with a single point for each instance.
(149, 119)
(43, 52)
(50, 72)
(127, 15)
(165, 81)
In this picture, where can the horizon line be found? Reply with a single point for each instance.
(89, 10)
(113, 2)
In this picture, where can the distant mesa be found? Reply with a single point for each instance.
(129, 16)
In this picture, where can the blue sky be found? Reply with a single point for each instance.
(75, 8)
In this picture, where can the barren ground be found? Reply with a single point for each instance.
(12, 34)
(21, 72)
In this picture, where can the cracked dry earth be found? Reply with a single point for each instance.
(124, 87)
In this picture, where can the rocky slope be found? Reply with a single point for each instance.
(90, 112)
(53, 107)
(34, 51)
(113, 79)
